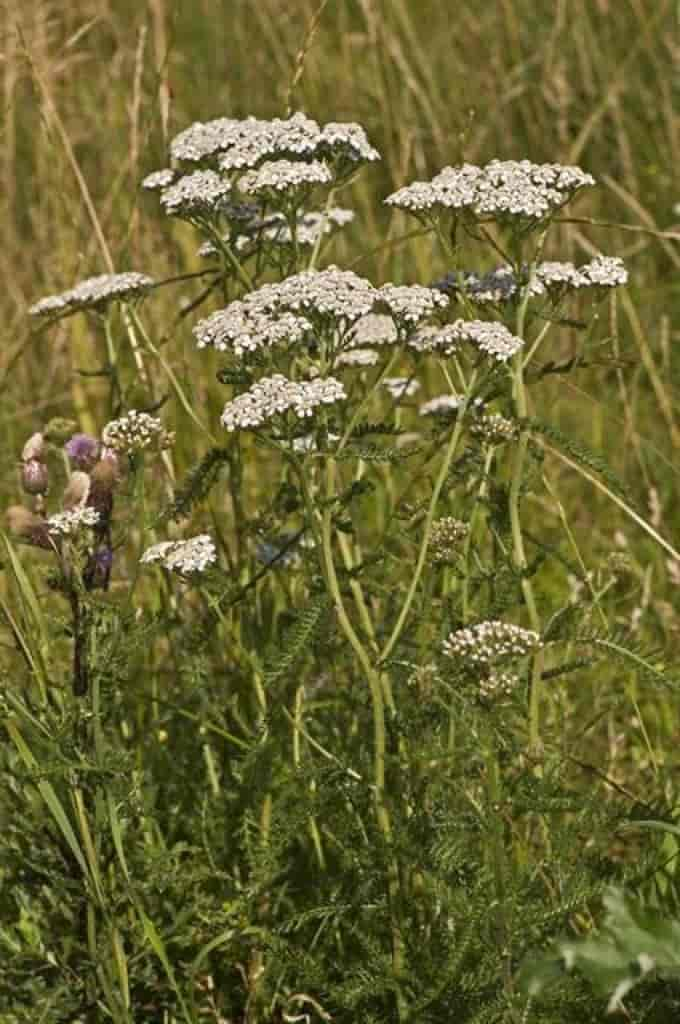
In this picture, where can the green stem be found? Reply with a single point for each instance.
(497, 852)
(432, 508)
(519, 553)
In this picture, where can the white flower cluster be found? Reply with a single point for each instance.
(183, 556)
(498, 684)
(159, 179)
(445, 539)
(606, 272)
(202, 193)
(440, 340)
(339, 295)
(95, 293)
(411, 303)
(491, 337)
(275, 395)
(499, 285)
(373, 329)
(285, 176)
(490, 641)
(492, 428)
(400, 387)
(501, 189)
(243, 144)
(65, 524)
(240, 328)
(136, 432)
(440, 405)
(358, 357)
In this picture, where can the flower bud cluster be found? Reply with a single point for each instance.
(445, 540)
(94, 293)
(498, 685)
(183, 556)
(272, 396)
(492, 429)
(489, 642)
(136, 432)
(501, 190)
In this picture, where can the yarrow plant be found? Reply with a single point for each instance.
(315, 768)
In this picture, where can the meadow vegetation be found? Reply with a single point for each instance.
(339, 589)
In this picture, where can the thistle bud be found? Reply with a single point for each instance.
(34, 449)
(34, 477)
(83, 451)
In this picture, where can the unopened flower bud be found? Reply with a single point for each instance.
(34, 448)
(34, 477)
(83, 451)
(77, 491)
(28, 526)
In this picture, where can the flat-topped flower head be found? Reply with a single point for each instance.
(441, 341)
(73, 521)
(358, 357)
(501, 190)
(201, 194)
(158, 180)
(489, 642)
(204, 139)
(347, 141)
(239, 329)
(409, 304)
(252, 141)
(492, 338)
(331, 295)
(182, 556)
(277, 395)
(401, 387)
(136, 432)
(276, 178)
(441, 405)
(95, 293)
(244, 144)
(605, 272)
